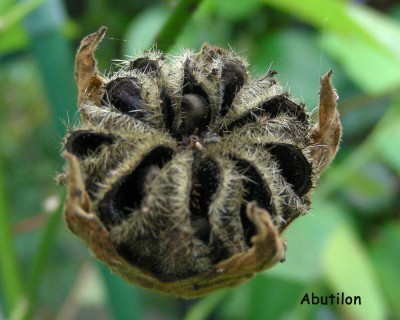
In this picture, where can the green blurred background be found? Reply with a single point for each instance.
(349, 242)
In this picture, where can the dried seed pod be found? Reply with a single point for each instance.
(184, 171)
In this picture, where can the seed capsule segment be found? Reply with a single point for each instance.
(83, 142)
(294, 166)
(233, 77)
(127, 194)
(124, 94)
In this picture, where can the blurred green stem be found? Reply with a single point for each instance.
(206, 305)
(11, 282)
(174, 25)
(40, 260)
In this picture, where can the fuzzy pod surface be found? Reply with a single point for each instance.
(184, 171)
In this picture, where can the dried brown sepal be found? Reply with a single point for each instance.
(267, 250)
(327, 132)
(89, 81)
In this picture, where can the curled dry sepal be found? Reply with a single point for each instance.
(184, 171)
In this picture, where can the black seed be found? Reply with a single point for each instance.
(83, 142)
(144, 65)
(205, 182)
(195, 114)
(273, 108)
(232, 80)
(293, 165)
(256, 189)
(127, 194)
(167, 110)
(124, 94)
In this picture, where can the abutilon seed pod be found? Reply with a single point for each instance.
(184, 171)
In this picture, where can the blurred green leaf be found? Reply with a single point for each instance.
(271, 298)
(15, 39)
(354, 36)
(372, 70)
(382, 27)
(385, 251)
(307, 239)
(235, 307)
(291, 52)
(141, 32)
(376, 68)
(12, 34)
(325, 14)
(348, 269)
(16, 12)
(373, 189)
(387, 138)
(337, 175)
